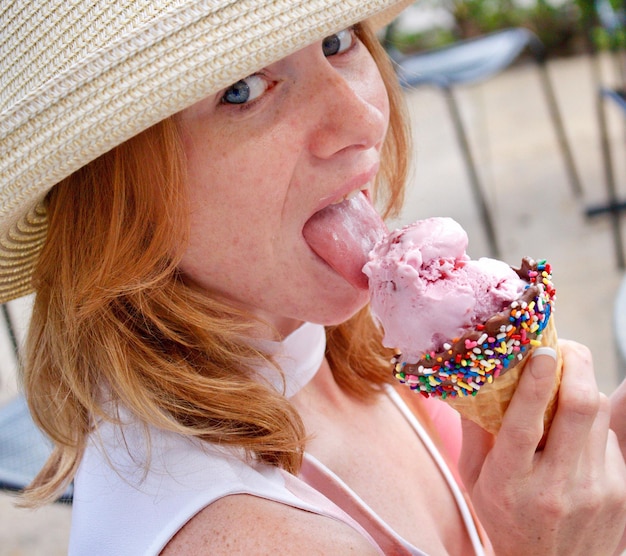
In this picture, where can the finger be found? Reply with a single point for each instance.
(619, 396)
(603, 451)
(618, 414)
(598, 434)
(608, 463)
(614, 463)
(577, 408)
(522, 425)
(477, 444)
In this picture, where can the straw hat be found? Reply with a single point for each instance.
(78, 77)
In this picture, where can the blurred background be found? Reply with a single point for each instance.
(519, 125)
(519, 131)
(565, 27)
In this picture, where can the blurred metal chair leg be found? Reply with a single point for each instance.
(477, 189)
(472, 61)
(613, 21)
(10, 328)
(613, 205)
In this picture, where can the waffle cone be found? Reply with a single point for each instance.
(488, 406)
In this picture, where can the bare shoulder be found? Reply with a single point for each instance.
(245, 524)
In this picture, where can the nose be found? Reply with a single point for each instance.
(352, 112)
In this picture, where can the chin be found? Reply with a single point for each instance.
(340, 310)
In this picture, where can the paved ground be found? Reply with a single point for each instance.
(535, 211)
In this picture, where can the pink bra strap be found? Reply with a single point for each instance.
(307, 493)
(331, 486)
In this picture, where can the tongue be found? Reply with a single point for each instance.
(344, 234)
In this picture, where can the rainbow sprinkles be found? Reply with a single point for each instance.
(482, 354)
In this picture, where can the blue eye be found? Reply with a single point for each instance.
(246, 90)
(337, 43)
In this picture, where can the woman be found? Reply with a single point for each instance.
(188, 244)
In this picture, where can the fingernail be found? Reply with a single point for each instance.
(544, 351)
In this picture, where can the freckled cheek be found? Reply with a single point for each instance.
(238, 179)
(230, 203)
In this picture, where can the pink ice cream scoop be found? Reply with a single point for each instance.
(464, 328)
(425, 290)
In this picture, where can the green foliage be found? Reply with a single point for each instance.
(476, 17)
(565, 27)
(600, 35)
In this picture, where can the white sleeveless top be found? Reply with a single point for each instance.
(123, 509)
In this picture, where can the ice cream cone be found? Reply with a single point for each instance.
(487, 407)
(463, 330)
(478, 372)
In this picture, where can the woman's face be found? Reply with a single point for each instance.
(264, 157)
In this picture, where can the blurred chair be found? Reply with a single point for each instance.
(614, 23)
(471, 61)
(23, 447)
(617, 98)
(10, 329)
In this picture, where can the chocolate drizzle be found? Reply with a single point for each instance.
(491, 348)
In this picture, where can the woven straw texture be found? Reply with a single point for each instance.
(80, 77)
